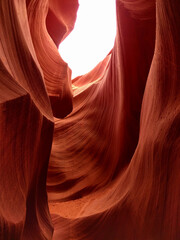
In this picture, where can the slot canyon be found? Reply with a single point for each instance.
(95, 157)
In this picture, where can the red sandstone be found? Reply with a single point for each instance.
(102, 150)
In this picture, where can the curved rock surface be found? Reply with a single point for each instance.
(102, 151)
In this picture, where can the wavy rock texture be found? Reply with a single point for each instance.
(108, 161)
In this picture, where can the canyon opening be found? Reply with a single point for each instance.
(96, 157)
(92, 37)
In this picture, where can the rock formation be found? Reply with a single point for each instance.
(101, 152)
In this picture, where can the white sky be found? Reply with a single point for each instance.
(93, 36)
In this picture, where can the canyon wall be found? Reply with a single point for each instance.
(96, 157)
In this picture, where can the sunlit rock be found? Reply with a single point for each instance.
(95, 158)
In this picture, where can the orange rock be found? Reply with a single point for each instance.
(107, 163)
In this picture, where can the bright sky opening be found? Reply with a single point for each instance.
(92, 38)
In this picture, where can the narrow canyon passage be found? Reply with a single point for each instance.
(94, 155)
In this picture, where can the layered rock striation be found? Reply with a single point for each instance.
(102, 151)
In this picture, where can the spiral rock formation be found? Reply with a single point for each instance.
(97, 157)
